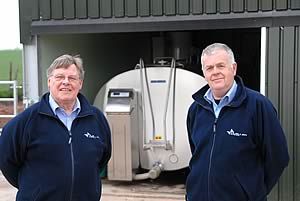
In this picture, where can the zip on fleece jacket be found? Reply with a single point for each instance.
(72, 165)
(71, 155)
(210, 157)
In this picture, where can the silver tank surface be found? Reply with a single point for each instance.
(163, 97)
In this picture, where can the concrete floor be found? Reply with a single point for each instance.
(7, 192)
(121, 191)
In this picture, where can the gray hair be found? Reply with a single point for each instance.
(64, 61)
(217, 46)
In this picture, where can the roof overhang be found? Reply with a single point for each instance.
(167, 23)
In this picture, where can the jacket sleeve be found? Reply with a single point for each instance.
(10, 151)
(272, 143)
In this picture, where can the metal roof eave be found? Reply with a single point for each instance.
(167, 23)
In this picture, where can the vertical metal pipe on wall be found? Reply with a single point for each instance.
(263, 43)
(30, 75)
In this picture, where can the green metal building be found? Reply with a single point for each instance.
(111, 35)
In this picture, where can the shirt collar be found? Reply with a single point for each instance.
(228, 96)
(54, 106)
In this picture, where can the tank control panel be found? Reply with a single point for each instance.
(121, 93)
(120, 101)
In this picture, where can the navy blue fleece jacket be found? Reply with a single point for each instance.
(238, 156)
(46, 162)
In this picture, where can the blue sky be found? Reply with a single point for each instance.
(9, 23)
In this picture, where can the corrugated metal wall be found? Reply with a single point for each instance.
(82, 9)
(282, 87)
(257, 12)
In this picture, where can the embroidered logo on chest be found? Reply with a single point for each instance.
(88, 135)
(233, 133)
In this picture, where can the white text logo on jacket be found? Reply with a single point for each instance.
(231, 132)
(88, 135)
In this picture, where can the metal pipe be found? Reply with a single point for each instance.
(13, 99)
(143, 100)
(173, 64)
(173, 116)
(149, 97)
(15, 94)
(152, 174)
(263, 52)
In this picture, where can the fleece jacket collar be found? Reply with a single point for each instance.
(238, 99)
(45, 108)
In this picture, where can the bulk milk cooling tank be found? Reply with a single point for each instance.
(146, 109)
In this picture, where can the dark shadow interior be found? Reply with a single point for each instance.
(245, 44)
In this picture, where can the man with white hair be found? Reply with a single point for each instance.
(238, 146)
(55, 149)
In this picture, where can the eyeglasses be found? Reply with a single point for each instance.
(71, 79)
